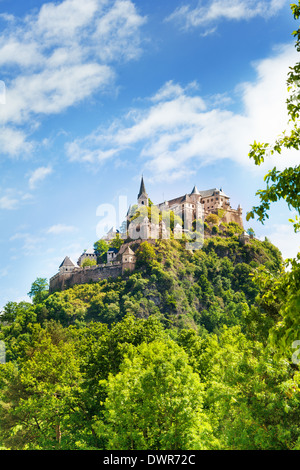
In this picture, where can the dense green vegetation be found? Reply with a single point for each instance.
(176, 355)
(193, 350)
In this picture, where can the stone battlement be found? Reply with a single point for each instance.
(64, 280)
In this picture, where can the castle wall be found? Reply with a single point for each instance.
(85, 256)
(233, 215)
(63, 281)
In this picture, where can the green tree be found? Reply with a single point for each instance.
(13, 311)
(39, 290)
(155, 402)
(37, 397)
(251, 400)
(251, 232)
(145, 254)
(117, 242)
(284, 185)
(88, 262)
(100, 247)
(16, 323)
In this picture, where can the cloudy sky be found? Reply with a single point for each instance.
(93, 94)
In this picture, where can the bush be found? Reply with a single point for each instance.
(88, 262)
(212, 219)
(145, 255)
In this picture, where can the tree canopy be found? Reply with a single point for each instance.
(284, 185)
(192, 350)
(175, 355)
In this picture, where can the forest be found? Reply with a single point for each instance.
(191, 351)
(194, 350)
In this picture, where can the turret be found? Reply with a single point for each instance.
(67, 265)
(195, 191)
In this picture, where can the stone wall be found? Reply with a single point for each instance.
(233, 215)
(63, 281)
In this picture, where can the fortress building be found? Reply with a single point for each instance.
(190, 207)
(199, 204)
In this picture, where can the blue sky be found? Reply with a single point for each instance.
(101, 91)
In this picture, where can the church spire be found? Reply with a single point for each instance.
(142, 196)
(142, 188)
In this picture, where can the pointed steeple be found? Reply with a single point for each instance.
(142, 196)
(195, 190)
(142, 188)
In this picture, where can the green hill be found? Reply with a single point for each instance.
(204, 289)
(174, 355)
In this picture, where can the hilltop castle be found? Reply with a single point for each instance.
(196, 205)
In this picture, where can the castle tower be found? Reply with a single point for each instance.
(67, 265)
(128, 259)
(195, 191)
(142, 196)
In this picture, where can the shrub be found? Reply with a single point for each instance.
(88, 262)
(212, 219)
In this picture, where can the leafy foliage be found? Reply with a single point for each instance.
(88, 262)
(285, 184)
(193, 350)
(156, 398)
(39, 290)
(175, 355)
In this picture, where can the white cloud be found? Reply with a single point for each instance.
(88, 151)
(283, 236)
(4, 272)
(13, 198)
(14, 141)
(60, 228)
(217, 10)
(117, 32)
(51, 21)
(31, 243)
(8, 203)
(180, 130)
(52, 90)
(39, 175)
(60, 55)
